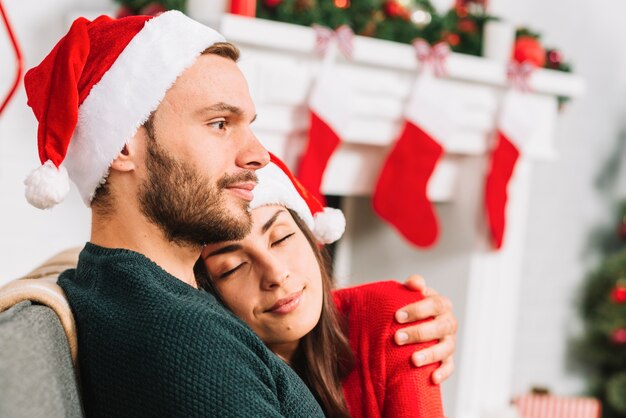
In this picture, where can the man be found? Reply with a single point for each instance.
(150, 118)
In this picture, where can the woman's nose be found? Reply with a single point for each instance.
(274, 278)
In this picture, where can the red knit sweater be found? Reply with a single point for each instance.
(383, 382)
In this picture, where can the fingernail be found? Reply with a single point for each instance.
(419, 359)
(401, 337)
(402, 316)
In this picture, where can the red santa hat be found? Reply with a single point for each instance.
(97, 86)
(278, 186)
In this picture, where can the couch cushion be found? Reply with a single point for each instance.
(36, 372)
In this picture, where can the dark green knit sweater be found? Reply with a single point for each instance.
(151, 345)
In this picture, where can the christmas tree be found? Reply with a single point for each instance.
(602, 349)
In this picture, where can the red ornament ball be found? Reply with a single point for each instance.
(461, 9)
(394, 9)
(554, 57)
(529, 49)
(451, 39)
(153, 9)
(467, 25)
(272, 3)
(619, 336)
(618, 294)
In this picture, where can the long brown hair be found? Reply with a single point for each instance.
(323, 357)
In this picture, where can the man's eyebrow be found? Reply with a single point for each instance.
(271, 221)
(224, 250)
(224, 107)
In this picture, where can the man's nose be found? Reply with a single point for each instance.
(253, 154)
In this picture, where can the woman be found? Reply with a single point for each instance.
(341, 344)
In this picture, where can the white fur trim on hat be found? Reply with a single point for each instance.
(47, 185)
(129, 92)
(276, 188)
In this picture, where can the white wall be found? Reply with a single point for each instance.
(566, 204)
(28, 236)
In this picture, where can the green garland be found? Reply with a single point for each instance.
(460, 27)
(369, 18)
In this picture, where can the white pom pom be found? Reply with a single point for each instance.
(47, 186)
(329, 225)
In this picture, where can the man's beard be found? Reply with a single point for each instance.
(185, 205)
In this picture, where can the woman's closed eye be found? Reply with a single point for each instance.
(230, 272)
(283, 239)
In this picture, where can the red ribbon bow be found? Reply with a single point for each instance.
(435, 56)
(343, 36)
(519, 74)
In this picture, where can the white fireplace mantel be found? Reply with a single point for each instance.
(280, 65)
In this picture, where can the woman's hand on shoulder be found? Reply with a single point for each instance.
(442, 327)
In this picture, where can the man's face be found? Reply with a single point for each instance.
(201, 155)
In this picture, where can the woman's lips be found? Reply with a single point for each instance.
(243, 190)
(287, 304)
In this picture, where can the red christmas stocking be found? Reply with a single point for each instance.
(322, 144)
(400, 195)
(503, 160)
(330, 106)
(516, 122)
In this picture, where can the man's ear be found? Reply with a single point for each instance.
(127, 158)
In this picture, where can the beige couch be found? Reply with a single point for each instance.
(38, 346)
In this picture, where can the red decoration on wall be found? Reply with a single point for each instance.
(619, 336)
(243, 7)
(529, 49)
(618, 294)
(19, 63)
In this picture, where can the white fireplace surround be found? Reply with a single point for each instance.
(279, 62)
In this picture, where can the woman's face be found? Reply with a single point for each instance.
(270, 279)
